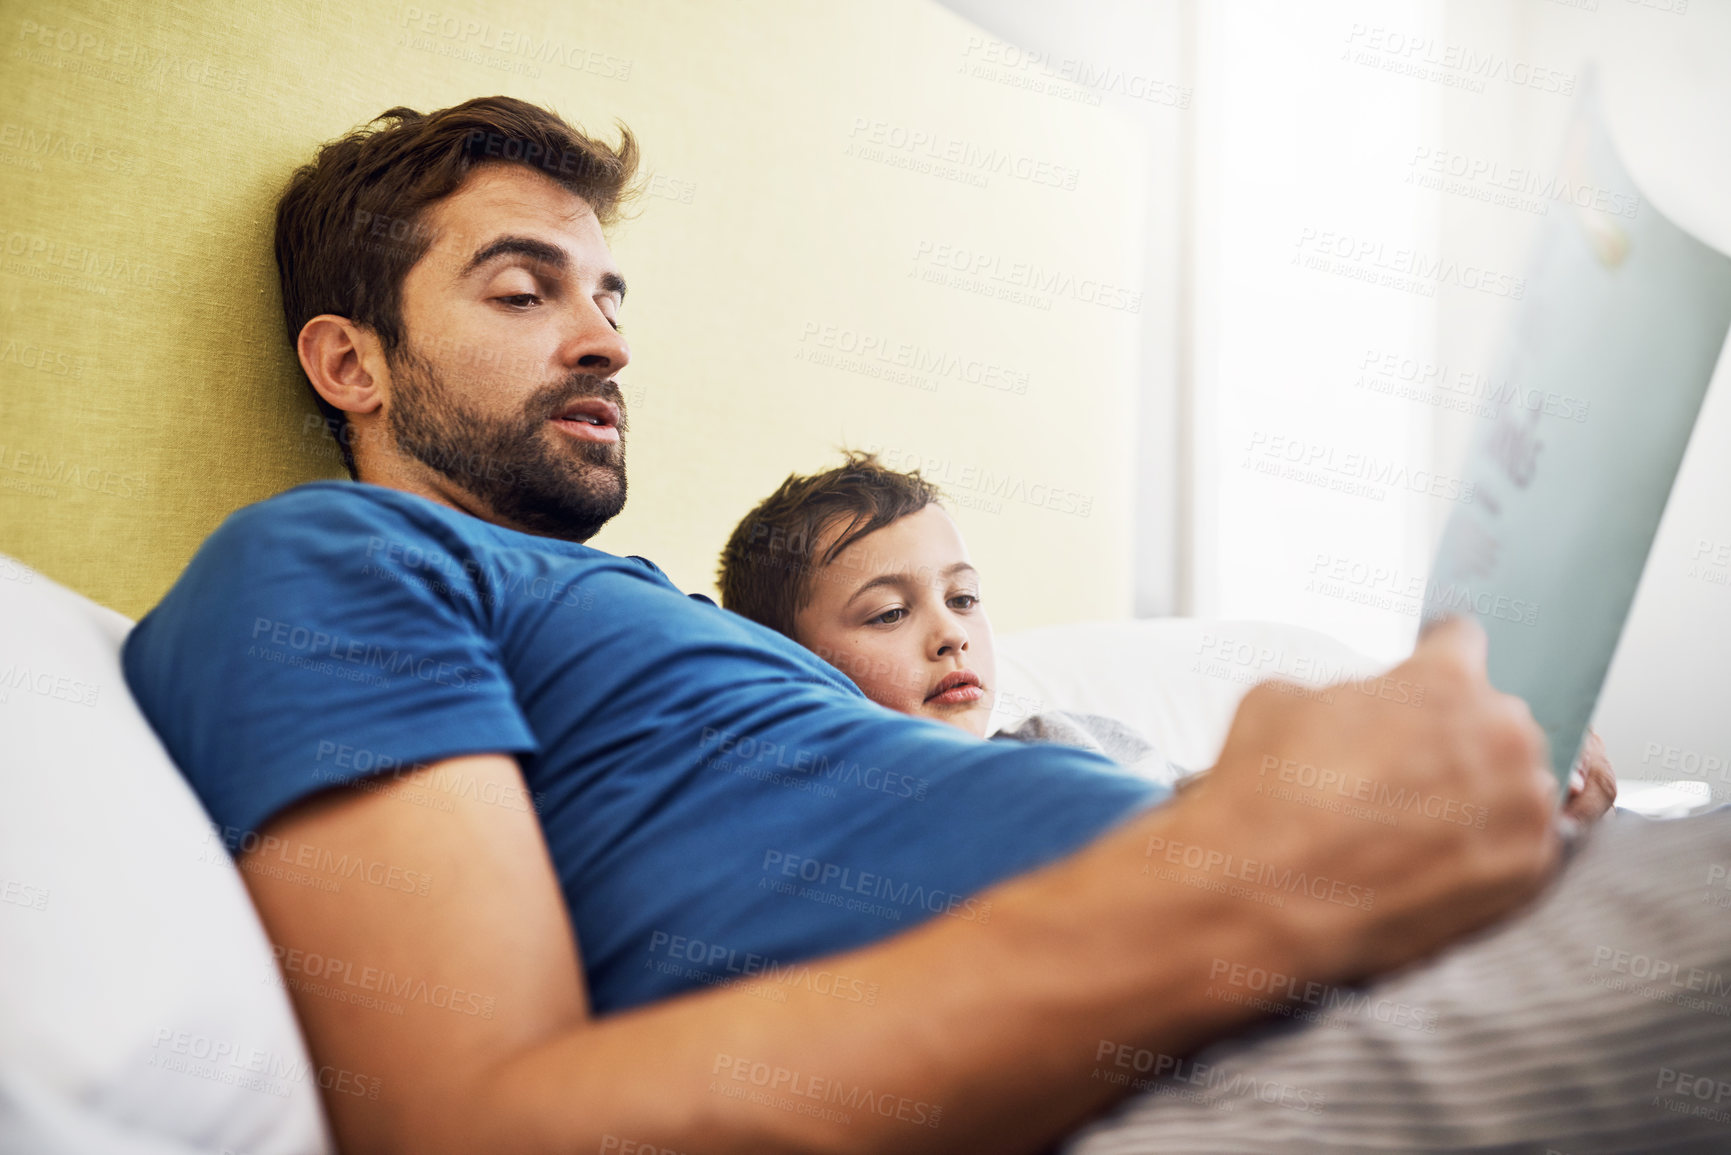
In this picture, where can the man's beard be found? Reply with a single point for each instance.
(524, 473)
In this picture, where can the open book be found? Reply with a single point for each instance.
(1607, 362)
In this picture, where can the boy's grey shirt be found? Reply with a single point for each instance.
(1102, 735)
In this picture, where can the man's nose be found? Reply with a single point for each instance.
(594, 345)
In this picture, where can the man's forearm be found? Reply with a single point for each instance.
(981, 1037)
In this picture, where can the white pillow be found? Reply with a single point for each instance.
(1175, 681)
(136, 1011)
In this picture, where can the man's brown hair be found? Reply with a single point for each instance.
(769, 563)
(352, 223)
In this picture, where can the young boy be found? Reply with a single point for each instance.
(862, 566)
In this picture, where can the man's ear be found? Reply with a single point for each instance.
(345, 362)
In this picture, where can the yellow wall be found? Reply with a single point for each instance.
(146, 388)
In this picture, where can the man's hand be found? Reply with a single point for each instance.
(1592, 785)
(1420, 799)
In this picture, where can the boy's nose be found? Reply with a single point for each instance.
(951, 640)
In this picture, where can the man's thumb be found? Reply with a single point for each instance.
(1459, 637)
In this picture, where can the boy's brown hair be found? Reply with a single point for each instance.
(352, 223)
(768, 566)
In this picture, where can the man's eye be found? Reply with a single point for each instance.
(889, 617)
(520, 300)
(610, 312)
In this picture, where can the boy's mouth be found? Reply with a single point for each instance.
(956, 689)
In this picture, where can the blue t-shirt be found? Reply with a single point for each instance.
(717, 800)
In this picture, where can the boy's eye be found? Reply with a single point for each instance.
(965, 601)
(889, 617)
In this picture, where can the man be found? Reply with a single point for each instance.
(488, 785)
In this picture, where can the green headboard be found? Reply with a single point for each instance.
(862, 228)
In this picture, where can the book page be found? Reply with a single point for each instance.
(1605, 367)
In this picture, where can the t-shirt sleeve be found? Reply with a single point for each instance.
(317, 641)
